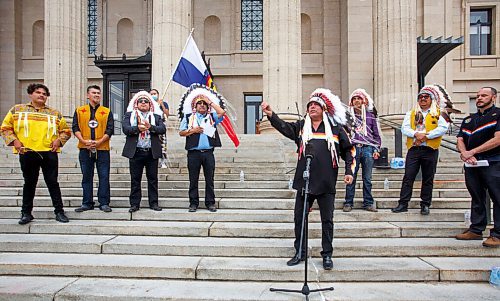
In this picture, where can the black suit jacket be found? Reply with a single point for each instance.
(132, 133)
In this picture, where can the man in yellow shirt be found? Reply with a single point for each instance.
(93, 126)
(37, 133)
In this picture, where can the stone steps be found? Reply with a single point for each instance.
(225, 184)
(348, 269)
(240, 246)
(240, 251)
(17, 288)
(240, 193)
(239, 203)
(232, 229)
(238, 215)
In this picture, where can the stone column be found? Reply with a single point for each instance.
(172, 21)
(65, 58)
(10, 55)
(356, 50)
(282, 74)
(395, 55)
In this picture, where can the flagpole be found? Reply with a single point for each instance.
(172, 76)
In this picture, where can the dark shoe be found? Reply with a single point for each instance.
(347, 208)
(155, 207)
(295, 260)
(327, 262)
(192, 208)
(84, 208)
(61, 217)
(133, 209)
(212, 208)
(468, 235)
(492, 242)
(25, 218)
(370, 208)
(424, 210)
(105, 208)
(400, 208)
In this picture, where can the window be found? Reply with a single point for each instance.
(472, 105)
(92, 26)
(251, 25)
(117, 102)
(253, 112)
(480, 31)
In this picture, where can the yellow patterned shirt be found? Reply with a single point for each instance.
(35, 128)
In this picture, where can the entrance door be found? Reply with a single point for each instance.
(253, 112)
(116, 97)
(122, 78)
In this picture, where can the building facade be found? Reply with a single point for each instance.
(277, 50)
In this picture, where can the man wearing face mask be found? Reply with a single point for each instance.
(93, 126)
(143, 148)
(165, 109)
(479, 140)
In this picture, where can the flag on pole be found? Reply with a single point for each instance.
(192, 69)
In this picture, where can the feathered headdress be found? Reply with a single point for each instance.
(333, 111)
(331, 105)
(366, 106)
(155, 107)
(136, 117)
(440, 99)
(195, 93)
(367, 99)
(445, 103)
(432, 91)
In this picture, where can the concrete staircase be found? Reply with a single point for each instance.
(240, 251)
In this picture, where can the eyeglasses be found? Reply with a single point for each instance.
(200, 102)
(142, 100)
(424, 97)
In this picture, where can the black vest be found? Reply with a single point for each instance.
(193, 140)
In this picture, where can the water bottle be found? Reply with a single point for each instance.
(386, 184)
(290, 184)
(242, 176)
(495, 277)
(467, 218)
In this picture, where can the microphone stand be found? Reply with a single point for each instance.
(304, 238)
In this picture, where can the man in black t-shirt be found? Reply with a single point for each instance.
(479, 146)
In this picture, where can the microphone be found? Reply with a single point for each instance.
(309, 151)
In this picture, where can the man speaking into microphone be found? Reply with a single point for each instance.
(326, 141)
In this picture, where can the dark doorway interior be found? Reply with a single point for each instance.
(122, 78)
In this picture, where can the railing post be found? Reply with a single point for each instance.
(398, 140)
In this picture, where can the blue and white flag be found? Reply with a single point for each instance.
(191, 68)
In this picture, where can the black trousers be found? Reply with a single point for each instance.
(195, 160)
(419, 157)
(325, 202)
(31, 162)
(478, 180)
(140, 160)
